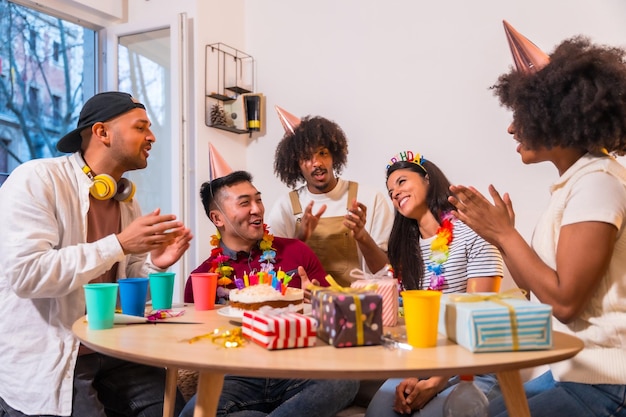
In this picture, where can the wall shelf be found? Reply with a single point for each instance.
(229, 76)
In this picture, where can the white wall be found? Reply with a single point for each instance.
(209, 21)
(413, 75)
(395, 75)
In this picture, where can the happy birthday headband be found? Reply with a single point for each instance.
(408, 156)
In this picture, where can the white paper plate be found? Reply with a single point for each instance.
(232, 313)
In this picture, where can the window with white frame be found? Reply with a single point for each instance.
(47, 68)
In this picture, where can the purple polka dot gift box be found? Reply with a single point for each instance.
(348, 317)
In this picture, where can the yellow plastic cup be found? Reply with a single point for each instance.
(421, 316)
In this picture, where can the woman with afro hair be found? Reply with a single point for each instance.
(569, 109)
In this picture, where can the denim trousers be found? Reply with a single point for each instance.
(548, 398)
(109, 387)
(256, 397)
(382, 402)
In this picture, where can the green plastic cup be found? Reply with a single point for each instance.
(162, 289)
(100, 299)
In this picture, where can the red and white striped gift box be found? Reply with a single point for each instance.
(284, 330)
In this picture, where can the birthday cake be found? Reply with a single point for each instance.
(254, 297)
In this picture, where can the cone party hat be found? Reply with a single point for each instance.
(288, 120)
(218, 167)
(527, 56)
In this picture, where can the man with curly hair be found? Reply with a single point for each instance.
(569, 109)
(345, 223)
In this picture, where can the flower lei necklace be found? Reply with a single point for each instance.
(221, 263)
(440, 251)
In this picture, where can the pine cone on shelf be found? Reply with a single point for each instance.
(218, 116)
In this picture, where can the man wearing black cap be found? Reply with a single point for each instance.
(66, 222)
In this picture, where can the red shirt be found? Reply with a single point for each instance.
(290, 254)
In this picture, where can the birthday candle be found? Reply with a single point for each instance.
(239, 283)
(261, 275)
(287, 279)
(245, 279)
(254, 279)
(281, 275)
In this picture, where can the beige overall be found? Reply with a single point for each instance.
(331, 240)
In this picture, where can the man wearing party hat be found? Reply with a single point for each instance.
(345, 223)
(569, 108)
(243, 246)
(235, 236)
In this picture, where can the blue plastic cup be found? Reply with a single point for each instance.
(133, 295)
(100, 299)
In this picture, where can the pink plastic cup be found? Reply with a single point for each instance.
(204, 286)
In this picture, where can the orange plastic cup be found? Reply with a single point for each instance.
(421, 317)
(204, 286)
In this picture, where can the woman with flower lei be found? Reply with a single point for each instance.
(428, 247)
(431, 249)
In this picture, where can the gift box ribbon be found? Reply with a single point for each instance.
(360, 337)
(499, 298)
(338, 288)
(357, 273)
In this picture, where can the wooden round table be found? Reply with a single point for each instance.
(167, 345)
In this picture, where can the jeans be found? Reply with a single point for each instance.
(109, 387)
(382, 403)
(547, 398)
(256, 397)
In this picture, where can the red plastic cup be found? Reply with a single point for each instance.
(204, 286)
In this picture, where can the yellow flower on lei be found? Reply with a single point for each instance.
(215, 239)
(440, 244)
(266, 242)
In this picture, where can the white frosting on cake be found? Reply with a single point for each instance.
(261, 293)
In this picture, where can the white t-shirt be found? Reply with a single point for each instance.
(379, 216)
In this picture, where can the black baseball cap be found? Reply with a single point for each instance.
(99, 108)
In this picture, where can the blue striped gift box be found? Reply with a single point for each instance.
(486, 326)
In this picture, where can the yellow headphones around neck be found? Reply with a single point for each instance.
(104, 187)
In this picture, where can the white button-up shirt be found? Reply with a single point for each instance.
(44, 262)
